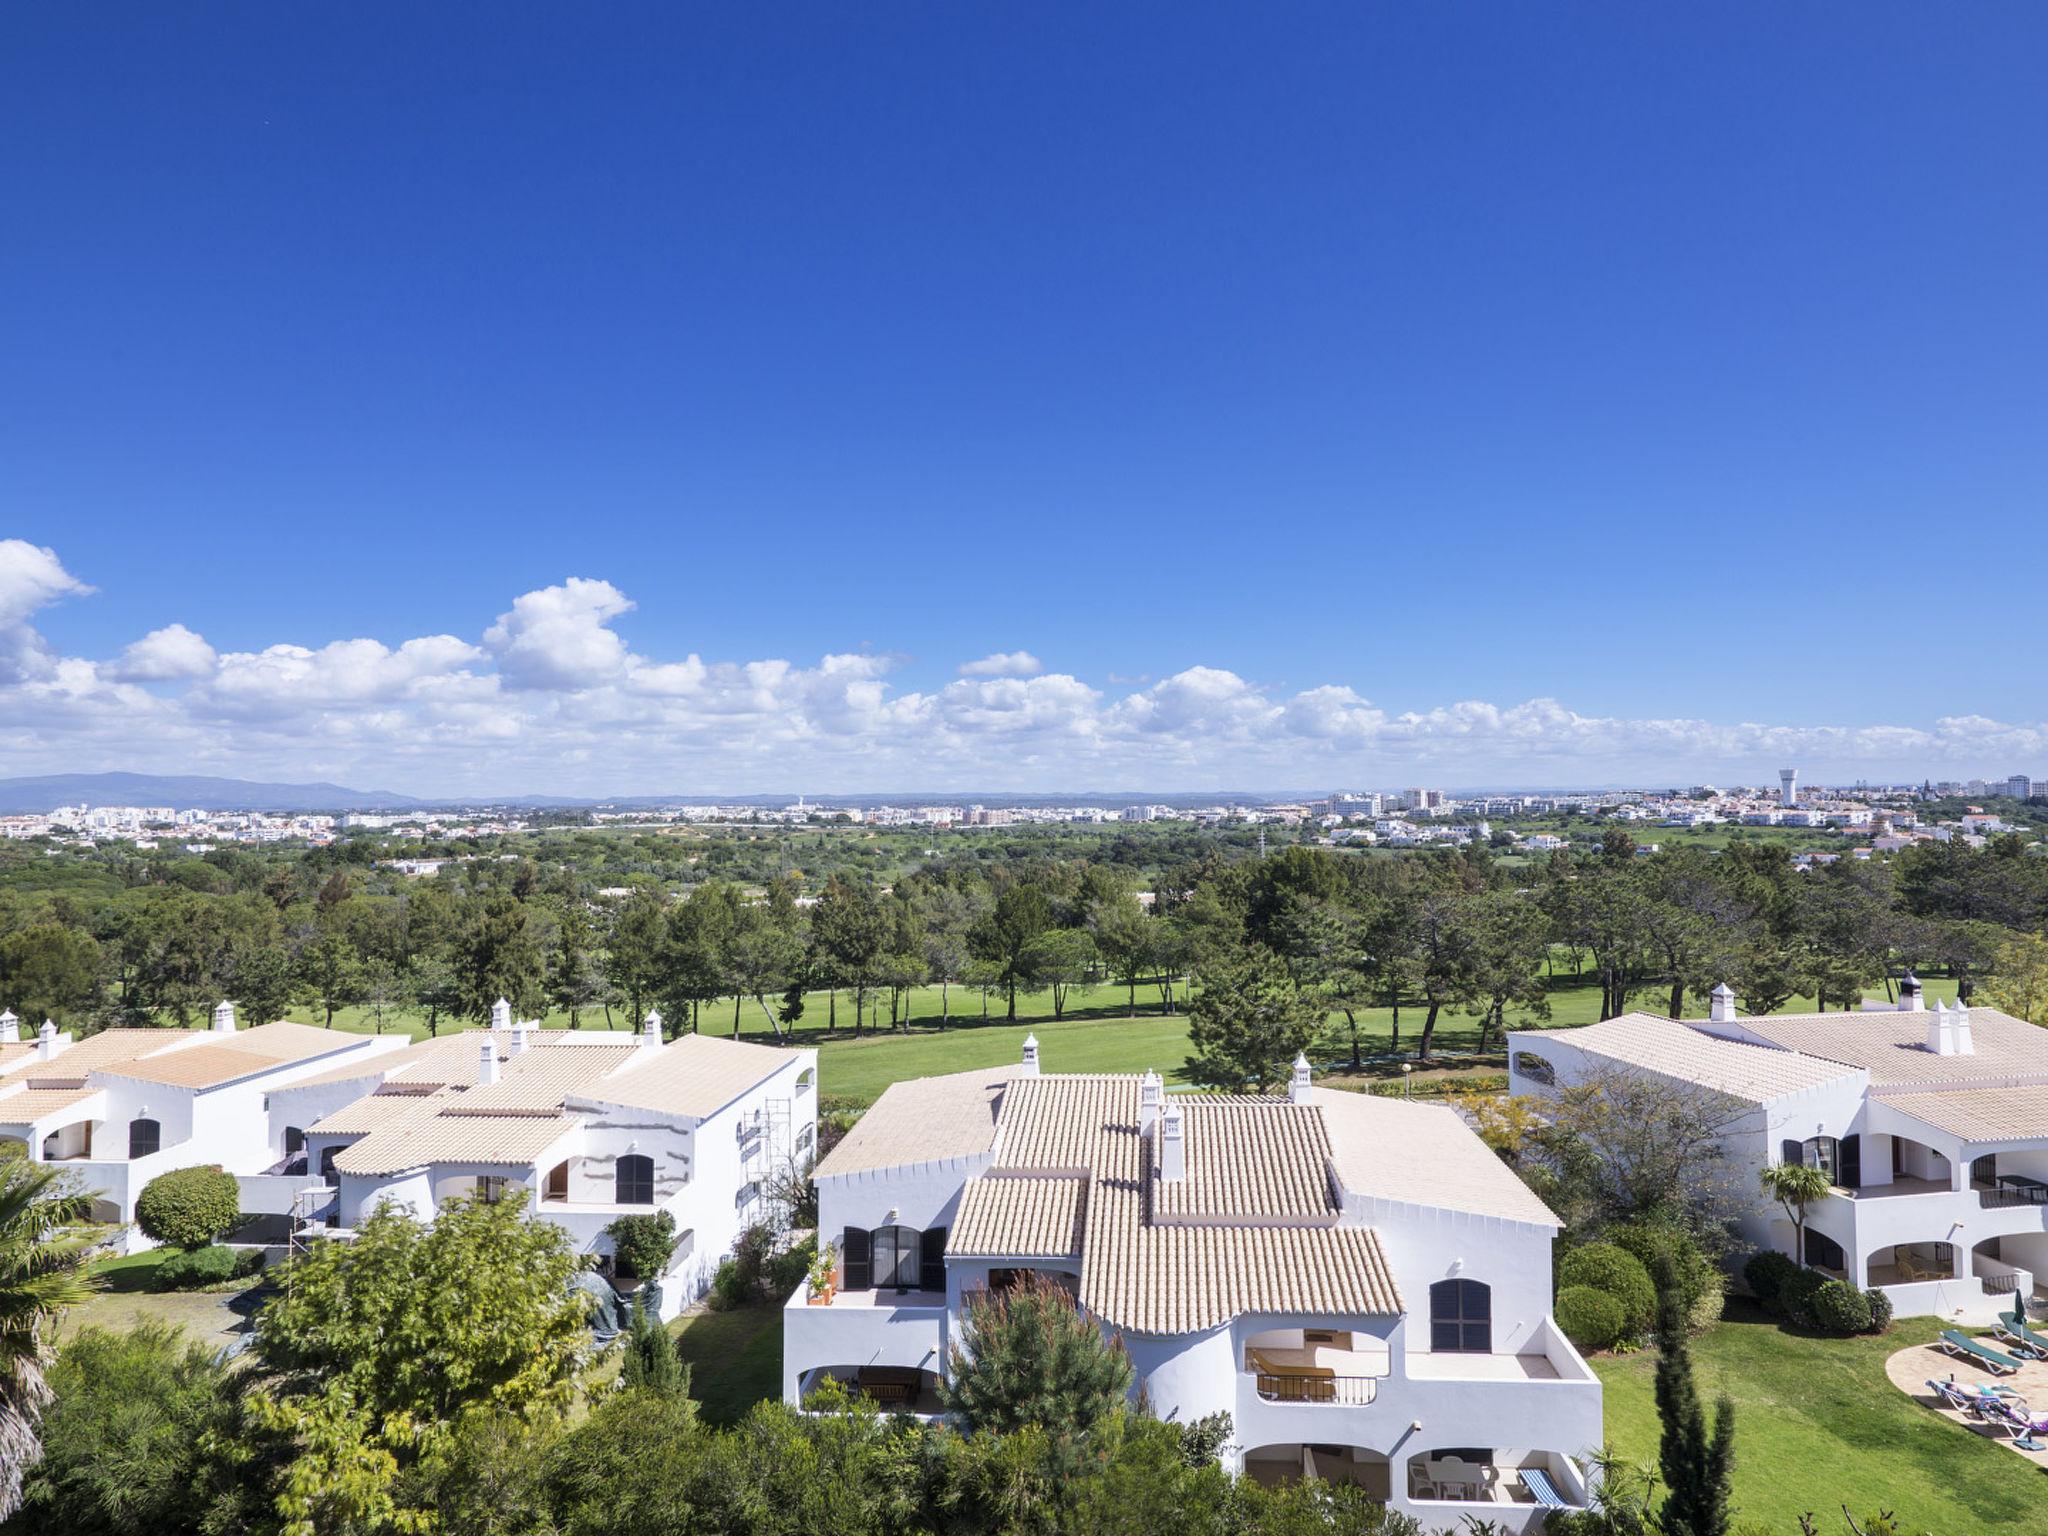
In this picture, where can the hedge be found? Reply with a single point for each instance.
(189, 1207)
(1838, 1307)
(1591, 1319)
(210, 1265)
(1621, 1275)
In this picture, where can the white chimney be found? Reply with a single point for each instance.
(650, 1028)
(223, 1017)
(1173, 1146)
(1959, 1026)
(10, 1028)
(47, 1044)
(1151, 1094)
(501, 1014)
(486, 1062)
(1941, 1031)
(1031, 1055)
(522, 1036)
(1912, 999)
(1298, 1084)
(1721, 1004)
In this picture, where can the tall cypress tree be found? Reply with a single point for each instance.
(1695, 1464)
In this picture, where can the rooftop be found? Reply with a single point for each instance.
(1754, 1074)
(1892, 1044)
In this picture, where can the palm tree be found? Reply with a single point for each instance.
(1796, 1187)
(44, 1243)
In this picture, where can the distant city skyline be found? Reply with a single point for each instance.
(549, 698)
(533, 399)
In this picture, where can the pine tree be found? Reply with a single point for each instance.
(1248, 1021)
(652, 1363)
(1695, 1464)
(1028, 1357)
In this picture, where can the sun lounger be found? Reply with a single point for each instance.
(2013, 1328)
(1537, 1481)
(2017, 1422)
(1949, 1395)
(1963, 1347)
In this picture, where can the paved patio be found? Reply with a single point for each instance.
(1911, 1369)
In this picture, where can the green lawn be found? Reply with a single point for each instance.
(1818, 1425)
(735, 1359)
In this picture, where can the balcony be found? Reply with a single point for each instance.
(2011, 1190)
(1316, 1367)
(1900, 1185)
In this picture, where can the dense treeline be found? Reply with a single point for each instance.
(1305, 938)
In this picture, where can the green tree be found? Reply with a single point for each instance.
(2018, 983)
(1003, 937)
(122, 1442)
(633, 960)
(44, 1244)
(1124, 940)
(1695, 1463)
(1060, 959)
(652, 1363)
(1247, 1021)
(849, 928)
(1028, 1358)
(1797, 1188)
(496, 956)
(51, 970)
(381, 1347)
(1507, 941)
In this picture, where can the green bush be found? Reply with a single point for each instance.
(790, 1269)
(1880, 1310)
(729, 1285)
(189, 1207)
(641, 1244)
(1590, 1318)
(1705, 1309)
(191, 1268)
(1838, 1307)
(1651, 1240)
(1619, 1273)
(1765, 1274)
(1795, 1297)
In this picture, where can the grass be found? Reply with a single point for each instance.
(1818, 1425)
(131, 1272)
(735, 1359)
(1097, 1034)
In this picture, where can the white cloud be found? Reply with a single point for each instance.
(31, 578)
(557, 638)
(553, 700)
(170, 654)
(1003, 664)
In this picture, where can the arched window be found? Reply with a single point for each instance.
(806, 1080)
(294, 1140)
(144, 1138)
(633, 1180)
(1460, 1317)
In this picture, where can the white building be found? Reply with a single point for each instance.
(581, 1128)
(122, 1106)
(1357, 1281)
(1933, 1123)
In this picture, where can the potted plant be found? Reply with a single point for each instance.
(641, 1246)
(822, 1275)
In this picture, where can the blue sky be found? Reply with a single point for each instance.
(1681, 366)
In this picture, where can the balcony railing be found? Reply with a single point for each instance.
(1301, 1387)
(2006, 1195)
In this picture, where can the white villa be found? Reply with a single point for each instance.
(122, 1106)
(582, 1128)
(1933, 1123)
(1357, 1281)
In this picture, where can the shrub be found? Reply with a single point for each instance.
(189, 1207)
(214, 1264)
(791, 1268)
(729, 1285)
(641, 1244)
(1838, 1307)
(1705, 1308)
(1795, 1297)
(1652, 1239)
(1880, 1310)
(1621, 1275)
(1590, 1318)
(1765, 1274)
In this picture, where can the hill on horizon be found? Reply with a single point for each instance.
(195, 792)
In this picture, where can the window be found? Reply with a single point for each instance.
(490, 1187)
(806, 1138)
(327, 1157)
(931, 1265)
(294, 1140)
(633, 1181)
(557, 1186)
(1534, 1067)
(1460, 1317)
(1822, 1152)
(748, 1194)
(144, 1137)
(806, 1080)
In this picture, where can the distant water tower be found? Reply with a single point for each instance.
(1788, 791)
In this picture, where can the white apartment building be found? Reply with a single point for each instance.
(581, 1128)
(1357, 1281)
(1933, 1123)
(122, 1106)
